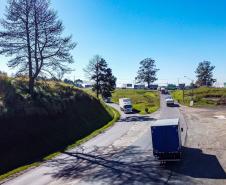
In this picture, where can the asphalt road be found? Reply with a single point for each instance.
(121, 155)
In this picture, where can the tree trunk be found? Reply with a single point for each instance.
(148, 85)
(31, 86)
(31, 80)
(97, 94)
(97, 90)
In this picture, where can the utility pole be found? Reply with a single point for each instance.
(192, 90)
(183, 94)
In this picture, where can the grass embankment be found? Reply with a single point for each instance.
(203, 96)
(144, 101)
(59, 117)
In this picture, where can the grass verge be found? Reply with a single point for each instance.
(203, 97)
(115, 114)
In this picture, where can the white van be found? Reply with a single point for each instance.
(125, 105)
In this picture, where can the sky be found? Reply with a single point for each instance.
(177, 34)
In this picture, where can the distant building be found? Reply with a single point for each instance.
(139, 86)
(171, 87)
(87, 85)
(127, 86)
(181, 86)
(153, 86)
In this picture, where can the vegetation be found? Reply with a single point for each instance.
(57, 116)
(78, 82)
(203, 96)
(144, 101)
(98, 72)
(147, 71)
(32, 36)
(204, 73)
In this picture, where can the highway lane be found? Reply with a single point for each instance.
(121, 155)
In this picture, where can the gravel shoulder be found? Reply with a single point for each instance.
(205, 148)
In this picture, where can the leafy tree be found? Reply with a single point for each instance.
(31, 36)
(147, 71)
(2, 73)
(95, 72)
(68, 81)
(109, 83)
(204, 73)
(78, 82)
(98, 71)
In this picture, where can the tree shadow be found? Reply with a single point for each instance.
(133, 165)
(197, 164)
(136, 118)
(135, 111)
(174, 105)
(117, 166)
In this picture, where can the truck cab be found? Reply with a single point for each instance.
(166, 139)
(126, 105)
(163, 90)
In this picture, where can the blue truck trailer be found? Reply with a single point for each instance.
(166, 139)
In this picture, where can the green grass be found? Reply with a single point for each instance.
(203, 96)
(60, 117)
(18, 170)
(144, 101)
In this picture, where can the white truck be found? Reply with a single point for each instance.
(125, 105)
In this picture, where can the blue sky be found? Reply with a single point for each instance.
(178, 34)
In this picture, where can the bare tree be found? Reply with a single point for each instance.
(32, 36)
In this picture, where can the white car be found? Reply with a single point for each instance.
(169, 101)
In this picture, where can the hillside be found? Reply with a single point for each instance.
(58, 116)
(203, 96)
(144, 101)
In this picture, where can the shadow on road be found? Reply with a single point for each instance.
(136, 118)
(174, 105)
(117, 166)
(132, 165)
(198, 165)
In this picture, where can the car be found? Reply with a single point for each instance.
(169, 101)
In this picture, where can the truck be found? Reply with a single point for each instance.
(166, 139)
(125, 105)
(163, 90)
